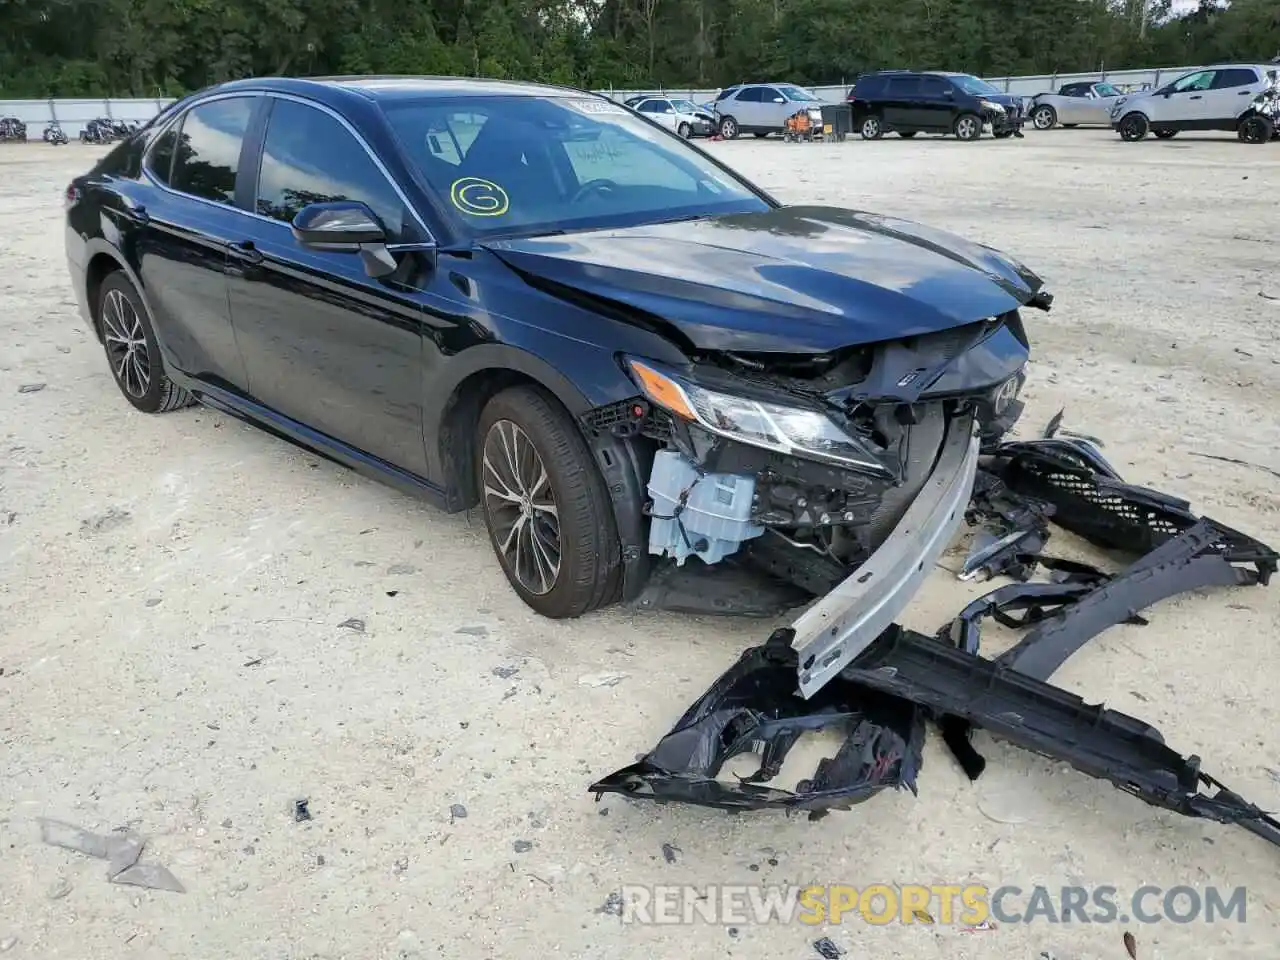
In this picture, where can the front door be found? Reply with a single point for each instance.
(1184, 105)
(325, 344)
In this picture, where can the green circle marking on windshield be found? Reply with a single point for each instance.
(479, 198)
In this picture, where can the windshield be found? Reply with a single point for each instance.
(975, 86)
(518, 166)
(685, 106)
(797, 94)
(1107, 90)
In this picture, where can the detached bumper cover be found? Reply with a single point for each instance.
(828, 636)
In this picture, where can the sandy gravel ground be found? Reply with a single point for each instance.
(171, 589)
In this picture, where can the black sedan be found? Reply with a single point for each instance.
(536, 300)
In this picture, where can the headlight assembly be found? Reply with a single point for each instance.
(784, 429)
(993, 106)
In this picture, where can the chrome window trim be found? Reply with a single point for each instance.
(253, 94)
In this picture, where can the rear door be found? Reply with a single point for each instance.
(325, 344)
(182, 226)
(901, 103)
(746, 108)
(1232, 92)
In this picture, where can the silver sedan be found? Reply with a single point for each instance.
(1074, 104)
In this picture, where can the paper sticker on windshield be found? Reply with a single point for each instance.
(597, 107)
(479, 198)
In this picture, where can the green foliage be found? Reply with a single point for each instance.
(70, 48)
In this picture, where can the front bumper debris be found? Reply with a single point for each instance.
(878, 686)
(828, 635)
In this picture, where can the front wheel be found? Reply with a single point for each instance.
(685, 131)
(1134, 127)
(729, 128)
(968, 126)
(1257, 129)
(1044, 117)
(545, 505)
(872, 128)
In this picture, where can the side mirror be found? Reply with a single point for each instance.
(779, 100)
(343, 225)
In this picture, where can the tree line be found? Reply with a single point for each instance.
(73, 48)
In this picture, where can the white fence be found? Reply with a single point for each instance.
(72, 115)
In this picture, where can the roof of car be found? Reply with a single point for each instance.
(393, 87)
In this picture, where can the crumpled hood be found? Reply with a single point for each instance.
(790, 280)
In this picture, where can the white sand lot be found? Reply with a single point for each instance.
(146, 562)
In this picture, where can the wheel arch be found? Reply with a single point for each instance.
(102, 260)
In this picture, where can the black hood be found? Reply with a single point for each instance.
(790, 280)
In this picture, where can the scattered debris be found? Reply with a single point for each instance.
(59, 890)
(602, 679)
(921, 915)
(1131, 945)
(1244, 463)
(153, 601)
(400, 866)
(669, 852)
(827, 949)
(893, 681)
(401, 570)
(982, 927)
(1262, 293)
(7, 944)
(612, 905)
(354, 624)
(457, 812)
(301, 810)
(522, 846)
(31, 387)
(476, 631)
(505, 672)
(121, 849)
(113, 518)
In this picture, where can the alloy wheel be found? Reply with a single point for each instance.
(1043, 119)
(126, 344)
(1254, 130)
(967, 128)
(728, 128)
(870, 128)
(522, 507)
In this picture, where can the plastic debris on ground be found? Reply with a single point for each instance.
(121, 849)
(881, 701)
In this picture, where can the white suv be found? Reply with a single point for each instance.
(1223, 97)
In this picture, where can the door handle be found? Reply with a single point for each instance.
(1244, 93)
(246, 251)
(1197, 97)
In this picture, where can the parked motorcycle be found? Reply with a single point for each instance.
(11, 128)
(53, 134)
(122, 129)
(98, 130)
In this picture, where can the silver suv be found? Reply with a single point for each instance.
(763, 108)
(1223, 97)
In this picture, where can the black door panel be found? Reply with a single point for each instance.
(324, 343)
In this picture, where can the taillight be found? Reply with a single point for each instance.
(71, 197)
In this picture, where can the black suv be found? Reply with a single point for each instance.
(908, 103)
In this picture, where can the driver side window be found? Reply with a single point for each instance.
(1197, 81)
(627, 161)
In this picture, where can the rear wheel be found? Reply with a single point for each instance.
(1165, 134)
(1044, 117)
(872, 128)
(1256, 129)
(132, 351)
(1134, 127)
(685, 131)
(729, 128)
(968, 126)
(545, 505)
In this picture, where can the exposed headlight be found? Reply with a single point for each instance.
(993, 106)
(790, 430)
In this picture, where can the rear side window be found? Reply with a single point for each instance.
(295, 172)
(868, 87)
(904, 86)
(932, 86)
(159, 161)
(1234, 77)
(750, 95)
(208, 149)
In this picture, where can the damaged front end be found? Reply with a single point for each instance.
(843, 475)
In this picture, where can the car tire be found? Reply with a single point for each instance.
(872, 128)
(907, 134)
(1257, 129)
(1133, 127)
(133, 355)
(563, 518)
(1165, 134)
(968, 126)
(685, 131)
(1044, 117)
(729, 128)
